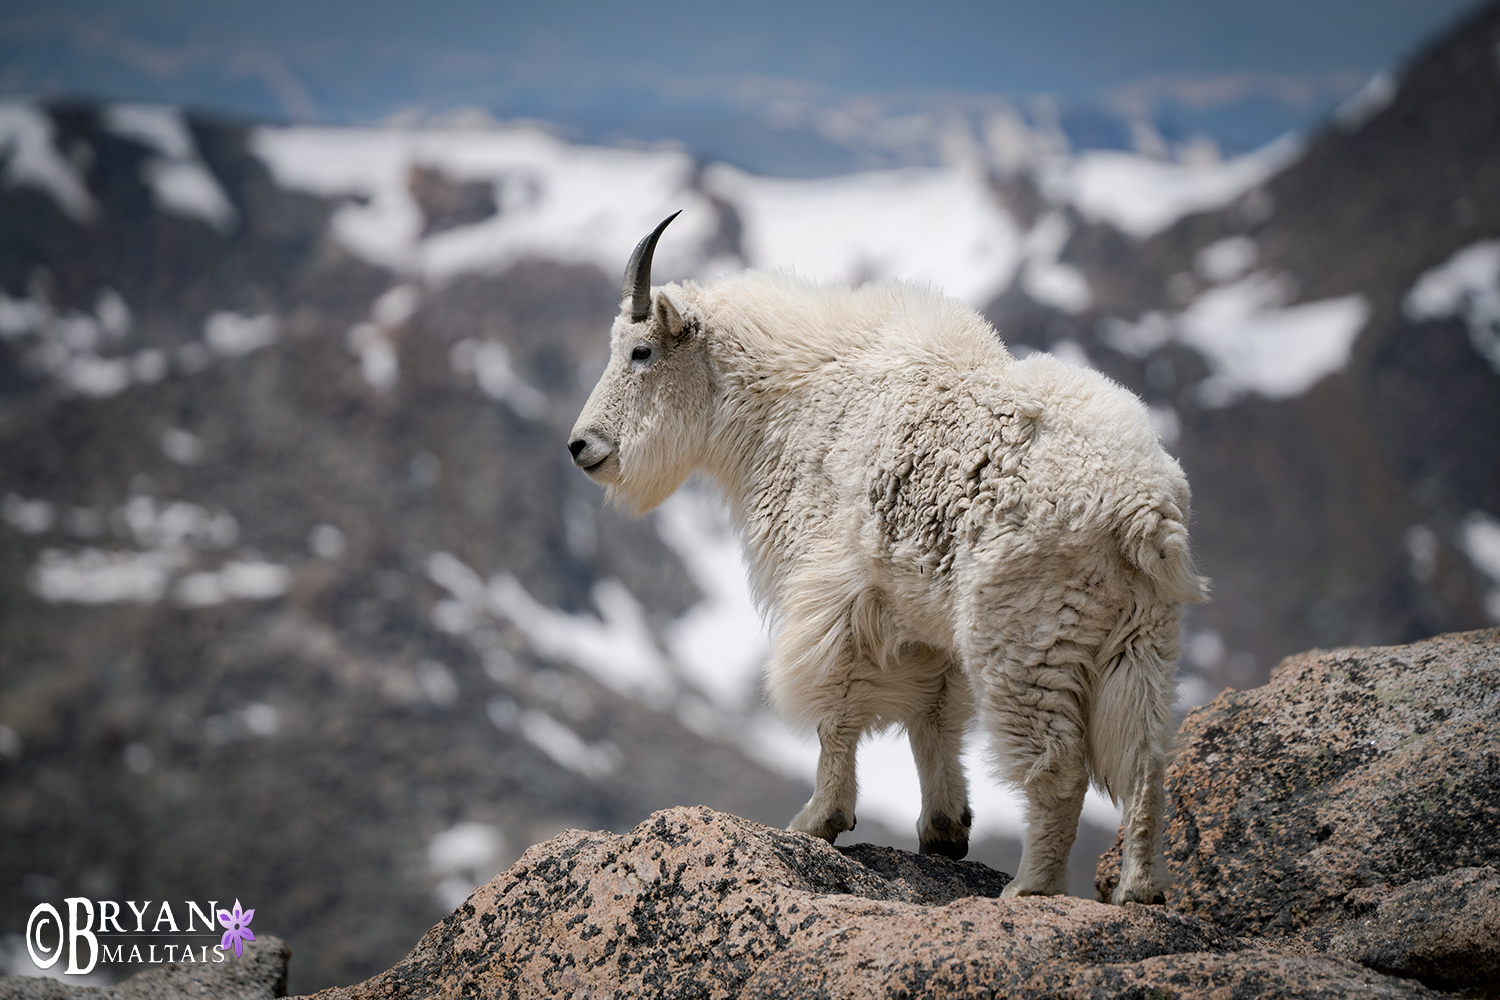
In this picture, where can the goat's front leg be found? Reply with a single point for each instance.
(831, 809)
(937, 736)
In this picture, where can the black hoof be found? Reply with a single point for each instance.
(955, 849)
(837, 823)
(947, 838)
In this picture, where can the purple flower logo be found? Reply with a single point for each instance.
(238, 922)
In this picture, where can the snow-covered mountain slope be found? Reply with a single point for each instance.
(579, 204)
(287, 516)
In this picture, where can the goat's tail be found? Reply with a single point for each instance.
(1155, 541)
(1136, 683)
(1130, 713)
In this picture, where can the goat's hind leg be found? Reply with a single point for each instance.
(936, 733)
(1035, 715)
(1054, 801)
(1134, 700)
(1143, 872)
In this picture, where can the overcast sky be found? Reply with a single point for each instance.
(350, 61)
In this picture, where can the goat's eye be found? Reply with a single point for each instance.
(641, 353)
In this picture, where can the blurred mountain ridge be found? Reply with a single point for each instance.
(299, 584)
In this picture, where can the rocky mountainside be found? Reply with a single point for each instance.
(297, 583)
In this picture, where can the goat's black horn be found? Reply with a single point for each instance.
(638, 272)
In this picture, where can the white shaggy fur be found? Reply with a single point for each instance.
(938, 530)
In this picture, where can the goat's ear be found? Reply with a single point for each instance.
(669, 313)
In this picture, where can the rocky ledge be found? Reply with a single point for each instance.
(1334, 833)
(695, 903)
(1351, 806)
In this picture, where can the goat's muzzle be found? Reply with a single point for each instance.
(590, 451)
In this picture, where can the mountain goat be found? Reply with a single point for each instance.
(939, 530)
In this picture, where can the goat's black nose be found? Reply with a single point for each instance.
(576, 446)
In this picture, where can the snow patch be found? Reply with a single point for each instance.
(1142, 196)
(1192, 691)
(720, 642)
(148, 366)
(1205, 650)
(1140, 339)
(933, 226)
(768, 740)
(565, 747)
(1226, 259)
(33, 160)
(182, 447)
(574, 204)
(67, 347)
(29, 517)
(1466, 285)
(114, 314)
(1479, 536)
(180, 181)
(168, 534)
(378, 362)
(1255, 345)
(261, 719)
(326, 541)
(464, 845)
(618, 648)
(93, 576)
(156, 126)
(463, 857)
(1365, 103)
(890, 792)
(232, 335)
(10, 743)
(189, 189)
(1422, 546)
(589, 205)
(95, 376)
(489, 362)
(20, 316)
(1070, 352)
(373, 342)
(396, 305)
(556, 739)
(158, 525)
(1166, 423)
(254, 580)
(1251, 341)
(1045, 278)
(437, 682)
